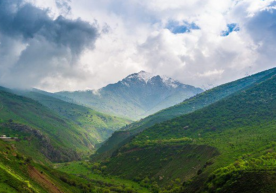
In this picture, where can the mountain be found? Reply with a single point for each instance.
(134, 97)
(190, 105)
(208, 150)
(99, 126)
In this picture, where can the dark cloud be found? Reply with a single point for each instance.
(26, 21)
(46, 47)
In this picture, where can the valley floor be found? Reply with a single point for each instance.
(84, 169)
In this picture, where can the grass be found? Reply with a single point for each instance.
(188, 106)
(160, 163)
(20, 174)
(83, 169)
(27, 118)
(13, 173)
(98, 125)
(214, 149)
(240, 125)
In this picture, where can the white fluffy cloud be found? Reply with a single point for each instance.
(203, 43)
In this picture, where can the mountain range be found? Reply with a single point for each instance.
(136, 96)
(227, 145)
(190, 105)
(219, 140)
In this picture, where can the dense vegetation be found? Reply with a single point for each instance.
(190, 105)
(47, 133)
(241, 125)
(21, 174)
(21, 116)
(99, 126)
(222, 140)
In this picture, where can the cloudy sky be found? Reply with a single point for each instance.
(85, 44)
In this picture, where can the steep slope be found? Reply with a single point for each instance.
(241, 126)
(19, 173)
(99, 126)
(190, 105)
(42, 133)
(136, 96)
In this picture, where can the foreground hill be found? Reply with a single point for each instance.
(20, 174)
(99, 126)
(190, 105)
(42, 133)
(136, 96)
(209, 149)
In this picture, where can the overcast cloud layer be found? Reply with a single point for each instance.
(80, 44)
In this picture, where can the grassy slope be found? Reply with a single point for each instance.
(188, 106)
(21, 174)
(243, 124)
(61, 137)
(84, 169)
(17, 174)
(160, 163)
(99, 126)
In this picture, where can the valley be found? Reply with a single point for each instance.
(203, 144)
(137, 96)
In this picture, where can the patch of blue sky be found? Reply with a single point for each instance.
(230, 28)
(184, 27)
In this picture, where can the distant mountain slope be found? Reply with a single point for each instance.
(43, 133)
(201, 100)
(136, 96)
(237, 133)
(98, 125)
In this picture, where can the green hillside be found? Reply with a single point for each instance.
(20, 174)
(190, 105)
(42, 132)
(239, 127)
(99, 126)
(40, 136)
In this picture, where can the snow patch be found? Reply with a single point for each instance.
(142, 76)
(146, 76)
(169, 82)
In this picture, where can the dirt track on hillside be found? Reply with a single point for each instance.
(43, 180)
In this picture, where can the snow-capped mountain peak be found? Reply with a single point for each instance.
(148, 77)
(138, 95)
(142, 75)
